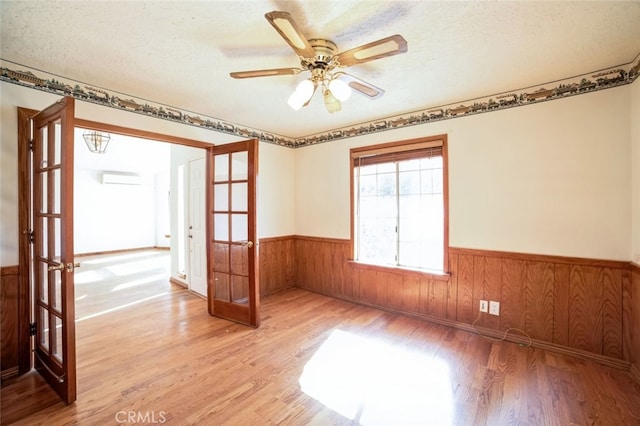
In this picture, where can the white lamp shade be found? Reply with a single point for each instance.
(301, 95)
(340, 89)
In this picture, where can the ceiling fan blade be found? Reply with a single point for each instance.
(382, 48)
(265, 73)
(287, 28)
(361, 86)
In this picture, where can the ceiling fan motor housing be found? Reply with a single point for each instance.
(325, 52)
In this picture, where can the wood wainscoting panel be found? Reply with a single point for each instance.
(9, 321)
(276, 264)
(585, 306)
(466, 309)
(513, 294)
(612, 312)
(561, 285)
(539, 300)
(631, 319)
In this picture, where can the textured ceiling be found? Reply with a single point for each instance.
(180, 53)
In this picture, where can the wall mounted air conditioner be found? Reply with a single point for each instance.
(113, 178)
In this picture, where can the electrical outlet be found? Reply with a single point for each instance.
(494, 308)
(484, 306)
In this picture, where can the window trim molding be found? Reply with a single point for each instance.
(403, 146)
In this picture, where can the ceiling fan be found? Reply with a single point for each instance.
(320, 58)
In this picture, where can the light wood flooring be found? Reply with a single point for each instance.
(314, 360)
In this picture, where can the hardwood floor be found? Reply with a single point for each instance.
(317, 360)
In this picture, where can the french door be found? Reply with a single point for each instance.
(233, 288)
(52, 256)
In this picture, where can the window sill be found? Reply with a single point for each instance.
(437, 275)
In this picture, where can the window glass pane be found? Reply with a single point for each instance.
(409, 182)
(368, 185)
(385, 168)
(386, 184)
(409, 165)
(404, 228)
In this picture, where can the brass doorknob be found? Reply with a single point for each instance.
(58, 267)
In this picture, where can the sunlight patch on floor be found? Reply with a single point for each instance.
(117, 308)
(141, 281)
(131, 268)
(87, 277)
(376, 383)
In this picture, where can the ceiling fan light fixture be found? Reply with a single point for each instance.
(340, 89)
(331, 102)
(301, 95)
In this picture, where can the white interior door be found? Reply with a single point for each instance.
(197, 227)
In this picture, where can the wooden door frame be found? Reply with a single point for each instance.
(25, 358)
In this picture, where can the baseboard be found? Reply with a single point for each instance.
(174, 280)
(9, 373)
(496, 334)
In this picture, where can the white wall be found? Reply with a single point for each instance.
(635, 168)
(550, 178)
(112, 217)
(275, 198)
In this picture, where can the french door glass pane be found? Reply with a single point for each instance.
(222, 286)
(221, 167)
(44, 237)
(221, 257)
(221, 227)
(57, 131)
(239, 227)
(240, 289)
(56, 351)
(55, 175)
(44, 282)
(57, 238)
(239, 197)
(57, 290)
(44, 189)
(44, 324)
(221, 196)
(240, 165)
(44, 131)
